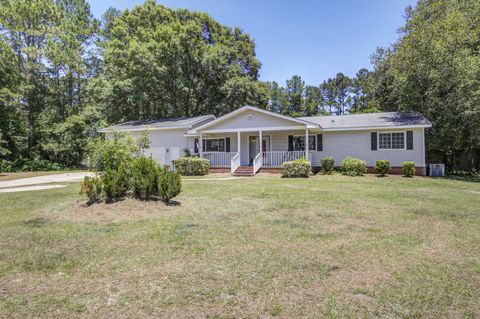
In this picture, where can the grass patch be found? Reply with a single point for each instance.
(327, 246)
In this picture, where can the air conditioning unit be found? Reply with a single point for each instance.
(436, 170)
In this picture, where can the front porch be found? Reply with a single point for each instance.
(241, 153)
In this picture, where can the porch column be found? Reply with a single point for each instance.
(260, 140)
(200, 147)
(238, 142)
(306, 143)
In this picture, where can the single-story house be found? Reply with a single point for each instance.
(232, 142)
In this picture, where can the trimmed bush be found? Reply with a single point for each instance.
(383, 167)
(169, 185)
(92, 187)
(144, 177)
(408, 169)
(352, 166)
(327, 165)
(297, 168)
(115, 183)
(192, 166)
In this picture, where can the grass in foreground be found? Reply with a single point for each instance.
(255, 247)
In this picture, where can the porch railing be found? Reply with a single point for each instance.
(235, 163)
(257, 163)
(275, 159)
(219, 159)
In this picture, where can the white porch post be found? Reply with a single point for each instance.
(260, 140)
(238, 142)
(200, 147)
(306, 143)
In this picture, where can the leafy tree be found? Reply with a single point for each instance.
(434, 68)
(336, 94)
(181, 63)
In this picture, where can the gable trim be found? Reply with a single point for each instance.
(252, 108)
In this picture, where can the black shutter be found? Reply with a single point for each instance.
(195, 146)
(319, 142)
(409, 140)
(290, 143)
(204, 145)
(227, 144)
(374, 141)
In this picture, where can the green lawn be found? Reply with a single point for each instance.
(328, 246)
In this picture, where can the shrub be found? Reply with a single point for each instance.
(115, 183)
(169, 185)
(383, 167)
(408, 169)
(327, 165)
(92, 187)
(144, 177)
(113, 152)
(192, 166)
(297, 168)
(352, 166)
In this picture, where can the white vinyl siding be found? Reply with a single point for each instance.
(358, 144)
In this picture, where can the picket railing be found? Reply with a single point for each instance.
(275, 159)
(235, 162)
(257, 163)
(219, 159)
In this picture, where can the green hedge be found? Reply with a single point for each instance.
(327, 165)
(298, 168)
(383, 167)
(352, 166)
(408, 169)
(192, 166)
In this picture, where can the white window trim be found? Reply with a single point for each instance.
(224, 138)
(392, 149)
(313, 135)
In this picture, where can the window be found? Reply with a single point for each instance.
(215, 145)
(391, 141)
(299, 143)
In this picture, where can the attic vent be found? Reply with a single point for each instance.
(250, 118)
(333, 121)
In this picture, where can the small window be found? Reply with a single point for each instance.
(299, 143)
(391, 141)
(215, 145)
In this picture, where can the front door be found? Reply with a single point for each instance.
(254, 147)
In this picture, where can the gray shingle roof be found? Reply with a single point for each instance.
(386, 119)
(172, 123)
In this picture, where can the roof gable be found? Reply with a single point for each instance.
(252, 117)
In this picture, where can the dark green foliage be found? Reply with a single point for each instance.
(144, 177)
(408, 169)
(92, 187)
(352, 166)
(180, 63)
(169, 185)
(192, 166)
(297, 168)
(115, 183)
(383, 167)
(327, 165)
(434, 69)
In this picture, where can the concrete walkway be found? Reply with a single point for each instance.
(46, 179)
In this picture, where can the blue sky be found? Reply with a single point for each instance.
(314, 39)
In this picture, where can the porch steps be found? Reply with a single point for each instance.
(244, 171)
